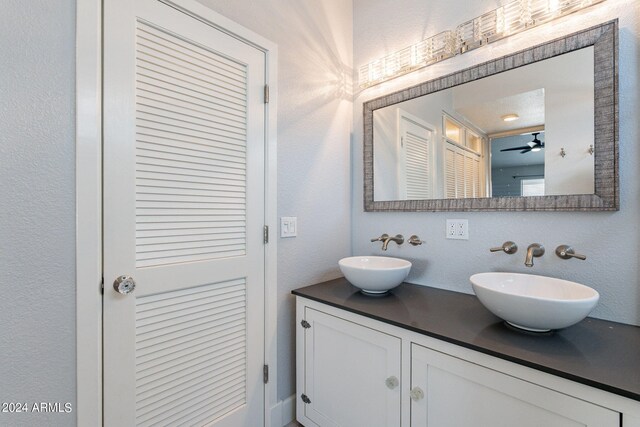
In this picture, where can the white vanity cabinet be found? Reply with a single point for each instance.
(350, 374)
(450, 392)
(354, 371)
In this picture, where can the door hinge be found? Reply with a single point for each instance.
(265, 233)
(266, 94)
(265, 374)
(102, 286)
(305, 398)
(305, 324)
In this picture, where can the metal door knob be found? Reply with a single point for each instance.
(392, 382)
(124, 285)
(416, 394)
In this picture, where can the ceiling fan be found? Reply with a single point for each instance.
(535, 145)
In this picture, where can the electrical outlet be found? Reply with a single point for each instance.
(457, 229)
(462, 230)
(451, 229)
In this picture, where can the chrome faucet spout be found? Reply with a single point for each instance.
(534, 250)
(398, 238)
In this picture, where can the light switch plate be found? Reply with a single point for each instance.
(457, 229)
(288, 226)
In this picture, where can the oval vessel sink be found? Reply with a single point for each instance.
(374, 274)
(534, 303)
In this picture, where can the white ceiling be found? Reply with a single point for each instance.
(487, 115)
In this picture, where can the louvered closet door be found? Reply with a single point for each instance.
(416, 153)
(462, 173)
(183, 215)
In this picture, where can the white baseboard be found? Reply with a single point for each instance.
(283, 412)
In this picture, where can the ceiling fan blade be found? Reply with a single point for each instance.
(525, 150)
(516, 148)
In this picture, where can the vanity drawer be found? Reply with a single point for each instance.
(451, 392)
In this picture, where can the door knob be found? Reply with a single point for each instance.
(124, 285)
(416, 394)
(392, 382)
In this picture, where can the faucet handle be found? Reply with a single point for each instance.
(415, 240)
(507, 247)
(381, 238)
(566, 252)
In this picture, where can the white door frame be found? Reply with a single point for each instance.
(89, 201)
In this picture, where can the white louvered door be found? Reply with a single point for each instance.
(463, 177)
(184, 121)
(416, 158)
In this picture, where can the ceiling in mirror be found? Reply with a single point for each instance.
(496, 114)
(536, 130)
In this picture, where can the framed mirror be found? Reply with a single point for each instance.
(536, 130)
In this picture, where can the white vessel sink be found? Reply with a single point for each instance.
(534, 303)
(374, 274)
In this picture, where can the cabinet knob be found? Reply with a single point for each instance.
(416, 394)
(392, 382)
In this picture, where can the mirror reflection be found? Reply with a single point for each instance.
(524, 132)
(513, 175)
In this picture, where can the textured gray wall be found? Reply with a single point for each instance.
(314, 124)
(610, 240)
(37, 210)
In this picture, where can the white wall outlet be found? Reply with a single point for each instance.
(457, 229)
(288, 226)
(451, 229)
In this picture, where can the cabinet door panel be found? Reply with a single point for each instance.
(459, 393)
(346, 366)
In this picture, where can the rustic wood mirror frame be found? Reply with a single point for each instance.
(604, 39)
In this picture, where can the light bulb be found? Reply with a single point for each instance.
(510, 117)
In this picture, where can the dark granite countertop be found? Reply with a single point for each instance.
(598, 353)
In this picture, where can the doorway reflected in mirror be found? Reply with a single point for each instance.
(516, 169)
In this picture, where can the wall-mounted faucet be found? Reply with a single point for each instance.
(385, 239)
(566, 252)
(534, 250)
(507, 247)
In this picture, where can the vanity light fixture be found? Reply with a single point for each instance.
(512, 18)
(510, 117)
